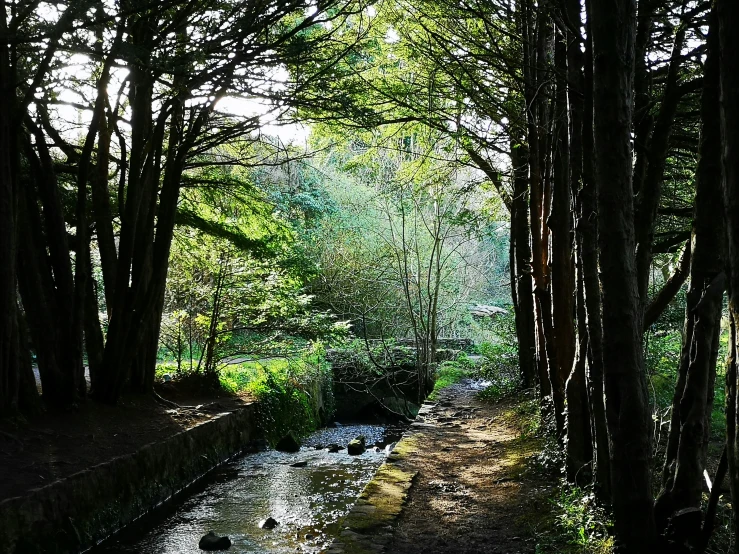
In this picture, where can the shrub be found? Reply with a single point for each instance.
(450, 373)
(500, 360)
(294, 394)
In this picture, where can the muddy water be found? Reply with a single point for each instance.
(306, 501)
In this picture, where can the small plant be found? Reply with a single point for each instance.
(450, 373)
(584, 522)
(580, 524)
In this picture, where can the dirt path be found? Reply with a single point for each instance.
(469, 496)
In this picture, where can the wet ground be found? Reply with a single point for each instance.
(306, 492)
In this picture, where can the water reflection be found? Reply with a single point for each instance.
(307, 501)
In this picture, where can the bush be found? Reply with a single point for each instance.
(450, 373)
(294, 394)
(500, 365)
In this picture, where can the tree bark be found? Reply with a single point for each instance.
(47, 280)
(693, 399)
(521, 273)
(9, 366)
(728, 18)
(537, 32)
(587, 233)
(579, 447)
(560, 224)
(627, 413)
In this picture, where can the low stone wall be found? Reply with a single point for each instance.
(73, 514)
(451, 343)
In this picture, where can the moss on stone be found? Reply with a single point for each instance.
(386, 494)
(367, 528)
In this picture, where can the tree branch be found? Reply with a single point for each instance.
(669, 290)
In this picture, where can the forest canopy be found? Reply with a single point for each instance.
(195, 181)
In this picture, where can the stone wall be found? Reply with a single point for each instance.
(369, 526)
(451, 343)
(72, 514)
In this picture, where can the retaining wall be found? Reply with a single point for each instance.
(73, 514)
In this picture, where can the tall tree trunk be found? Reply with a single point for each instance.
(47, 281)
(728, 18)
(693, 399)
(627, 407)
(36, 288)
(124, 321)
(521, 274)
(9, 360)
(94, 340)
(535, 29)
(587, 232)
(560, 224)
(579, 447)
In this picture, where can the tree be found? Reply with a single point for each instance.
(28, 47)
(400, 258)
(728, 15)
(628, 419)
(166, 120)
(239, 271)
(685, 458)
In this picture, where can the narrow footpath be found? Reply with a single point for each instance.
(469, 485)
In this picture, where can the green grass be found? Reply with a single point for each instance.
(294, 394)
(449, 373)
(250, 376)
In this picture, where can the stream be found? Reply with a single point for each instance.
(308, 501)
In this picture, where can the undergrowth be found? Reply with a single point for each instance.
(578, 524)
(500, 360)
(295, 394)
(450, 373)
(573, 521)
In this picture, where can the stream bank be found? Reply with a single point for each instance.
(458, 482)
(307, 493)
(75, 512)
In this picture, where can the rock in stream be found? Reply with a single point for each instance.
(357, 446)
(212, 542)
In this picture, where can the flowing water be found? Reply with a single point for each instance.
(307, 501)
